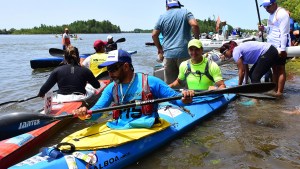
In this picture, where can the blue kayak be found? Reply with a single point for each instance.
(45, 62)
(119, 156)
(55, 61)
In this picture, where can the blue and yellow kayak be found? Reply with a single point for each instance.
(101, 147)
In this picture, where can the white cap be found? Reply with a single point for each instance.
(109, 37)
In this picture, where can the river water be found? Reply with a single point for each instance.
(240, 136)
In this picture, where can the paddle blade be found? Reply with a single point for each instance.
(257, 96)
(56, 52)
(14, 124)
(247, 88)
(120, 40)
(254, 88)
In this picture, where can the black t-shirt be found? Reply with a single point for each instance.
(70, 79)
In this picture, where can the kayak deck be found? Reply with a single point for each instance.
(125, 154)
(14, 149)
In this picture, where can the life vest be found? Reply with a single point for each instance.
(206, 71)
(66, 39)
(146, 95)
(95, 60)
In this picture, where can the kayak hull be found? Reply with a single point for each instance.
(16, 149)
(45, 62)
(55, 61)
(128, 153)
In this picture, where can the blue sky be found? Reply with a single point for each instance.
(128, 14)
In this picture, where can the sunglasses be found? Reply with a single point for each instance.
(114, 67)
(225, 51)
(266, 7)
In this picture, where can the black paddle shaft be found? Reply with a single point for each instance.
(20, 101)
(17, 123)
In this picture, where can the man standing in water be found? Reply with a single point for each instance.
(66, 39)
(278, 30)
(175, 25)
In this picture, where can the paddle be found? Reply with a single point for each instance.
(257, 9)
(56, 52)
(250, 95)
(14, 124)
(60, 53)
(20, 101)
(257, 96)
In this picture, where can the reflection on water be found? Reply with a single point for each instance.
(238, 136)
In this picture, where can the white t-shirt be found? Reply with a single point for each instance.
(278, 29)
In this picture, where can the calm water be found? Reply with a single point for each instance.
(257, 136)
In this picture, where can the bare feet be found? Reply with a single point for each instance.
(296, 111)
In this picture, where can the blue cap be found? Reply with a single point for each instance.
(116, 56)
(267, 2)
(173, 3)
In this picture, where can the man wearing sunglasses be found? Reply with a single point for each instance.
(129, 87)
(278, 29)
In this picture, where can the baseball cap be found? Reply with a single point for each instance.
(66, 29)
(267, 2)
(99, 43)
(173, 3)
(116, 56)
(109, 37)
(195, 42)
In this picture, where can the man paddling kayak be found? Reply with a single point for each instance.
(131, 87)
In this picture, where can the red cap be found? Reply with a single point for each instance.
(99, 43)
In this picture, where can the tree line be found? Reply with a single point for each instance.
(90, 26)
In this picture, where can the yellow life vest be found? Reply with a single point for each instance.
(97, 59)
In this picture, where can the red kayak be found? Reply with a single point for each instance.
(15, 149)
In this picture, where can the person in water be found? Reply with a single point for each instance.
(70, 78)
(175, 25)
(262, 55)
(66, 39)
(129, 87)
(198, 72)
(278, 30)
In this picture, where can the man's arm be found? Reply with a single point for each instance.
(195, 28)
(155, 34)
(176, 83)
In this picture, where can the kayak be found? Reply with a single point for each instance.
(55, 61)
(119, 148)
(45, 62)
(14, 149)
(211, 44)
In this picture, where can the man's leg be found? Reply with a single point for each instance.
(281, 79)
(171, 70)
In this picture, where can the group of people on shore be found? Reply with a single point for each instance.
(263, 56)
(184, 66)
